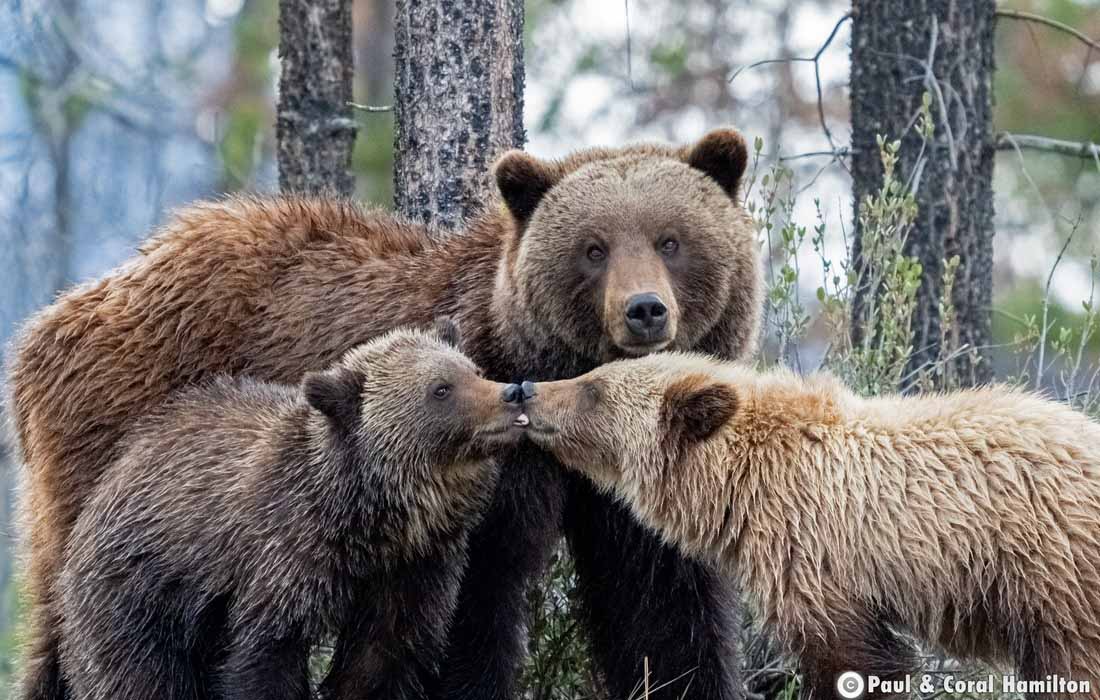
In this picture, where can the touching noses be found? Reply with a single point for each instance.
(518, 393)
(646, 316)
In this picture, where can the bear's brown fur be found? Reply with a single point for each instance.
(970, 519)
(272, 288)
(244, 520)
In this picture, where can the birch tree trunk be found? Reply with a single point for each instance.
(900, 49)
(314, 126)
(458, 97)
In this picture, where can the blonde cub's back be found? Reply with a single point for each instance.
(973, 517)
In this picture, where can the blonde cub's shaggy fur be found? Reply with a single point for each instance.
(970, 519)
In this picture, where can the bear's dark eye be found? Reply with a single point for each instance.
(595, 253)
(441, 391)
(669, 246)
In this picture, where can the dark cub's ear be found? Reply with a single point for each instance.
(723, 156)
(523, 180)
(696, 407)
(335, 393)
(447, 330)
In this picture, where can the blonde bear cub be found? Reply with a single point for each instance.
(970, 520)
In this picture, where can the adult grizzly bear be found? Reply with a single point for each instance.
(245, 521)
(607, 253)
(970, 519)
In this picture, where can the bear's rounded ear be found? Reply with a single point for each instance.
(723, 156)
(522, 180)
(335, 393)
(696, 407)
(447, 330)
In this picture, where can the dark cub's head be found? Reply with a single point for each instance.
(422, 421)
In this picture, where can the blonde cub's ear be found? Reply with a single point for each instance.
(723, 156)
(695, 408)
(335, 393)
(522, 180)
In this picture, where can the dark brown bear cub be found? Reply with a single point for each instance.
(244, 521)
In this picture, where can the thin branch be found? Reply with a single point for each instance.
(629, 61)
(1088, 150)
(815, 59)
(817, 78)
(1046, 309)
(768, 62)
(1030, 180)
(1004, 141)
(835, 154)
(933, 83)
(370, 108)
(1039, 19)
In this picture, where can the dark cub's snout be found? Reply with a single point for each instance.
(517, 393)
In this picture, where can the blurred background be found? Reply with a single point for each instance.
(112, 112)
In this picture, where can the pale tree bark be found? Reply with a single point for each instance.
(458, 97)
(891, 44)
(314, 126)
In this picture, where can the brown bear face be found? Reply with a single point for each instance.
(624, 423)
(414, 401)
(627, 255)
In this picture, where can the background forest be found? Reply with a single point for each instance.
(114, 112)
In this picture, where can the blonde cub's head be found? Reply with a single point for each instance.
(625, 423)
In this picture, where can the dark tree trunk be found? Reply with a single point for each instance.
(458, 96)
(314, 127)
(891, 40)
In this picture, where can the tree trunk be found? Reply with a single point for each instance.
(458, 97)
(314, 127)
(891, 42)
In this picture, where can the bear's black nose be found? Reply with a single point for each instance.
(528, 390)
(646, 315)
(512, 393)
